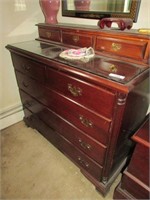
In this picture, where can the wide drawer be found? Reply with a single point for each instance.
(89, 146)
(93, 125)
(139, 164)
(52, 34)
(31, 86)
(134, 187)
(98, 99)
(76, 39)
(122, 47)
(29, 67)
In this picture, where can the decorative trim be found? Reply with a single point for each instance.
(11, 115)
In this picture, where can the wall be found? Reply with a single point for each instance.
(17, 24)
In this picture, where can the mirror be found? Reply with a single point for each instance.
(98, 9)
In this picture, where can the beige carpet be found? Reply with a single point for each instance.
(32, 168)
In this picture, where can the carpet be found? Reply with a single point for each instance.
(32, 168)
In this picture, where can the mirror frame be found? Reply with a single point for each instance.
(133, 14)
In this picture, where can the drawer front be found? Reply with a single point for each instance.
(95, 98)
(93, 125)
(30, 86)
(53, 35)
(29, 67)
(89, 146)
(139, 164)
(126, 48)
(76, 39)
(134, 187)
(31, 104)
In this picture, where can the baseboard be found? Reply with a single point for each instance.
(11, 116)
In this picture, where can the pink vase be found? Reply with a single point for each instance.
(50, 10)
(82, 4)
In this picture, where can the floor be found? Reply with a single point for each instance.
(32, 168)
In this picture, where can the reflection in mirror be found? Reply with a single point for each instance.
(99, 9)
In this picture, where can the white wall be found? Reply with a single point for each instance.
(17, 24)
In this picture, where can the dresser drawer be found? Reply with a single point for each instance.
(98, 99)
(52, 34)
(29, 67)
(76, 39)
(30, 86)
(31, 103)
(139, 164)
(93, 125)
(134, 187)
(122, 47)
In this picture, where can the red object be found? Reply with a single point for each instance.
(135, 180)
(50, 9)
(122, 23)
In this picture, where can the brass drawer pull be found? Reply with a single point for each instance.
(75, 38)
(75, 91)
(113, 68)
(48, 34)
(84, 145)
(85, 121)
(116, 46)
(84, 163)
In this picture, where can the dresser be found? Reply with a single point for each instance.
(135, 180)
(88, 110)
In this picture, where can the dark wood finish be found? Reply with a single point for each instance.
(135, 181)
(77, 106)
(123, 23)
(130, 45)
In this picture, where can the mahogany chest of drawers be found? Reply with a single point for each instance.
(135, 181)
(86, 113)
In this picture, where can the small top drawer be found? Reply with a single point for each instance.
(134, 49)
(53, 35)
(76, 39)
(99, 99)
(29, 67)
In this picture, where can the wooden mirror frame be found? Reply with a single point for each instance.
(133, 14)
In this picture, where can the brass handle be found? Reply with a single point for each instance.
(84, 145)
(113, 68)
(75, 91)
(48, 34)
(86, 164)
(75, 38)
(116, 46)
(86, 122)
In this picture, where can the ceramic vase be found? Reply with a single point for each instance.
(50, 10)
(83, 5)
